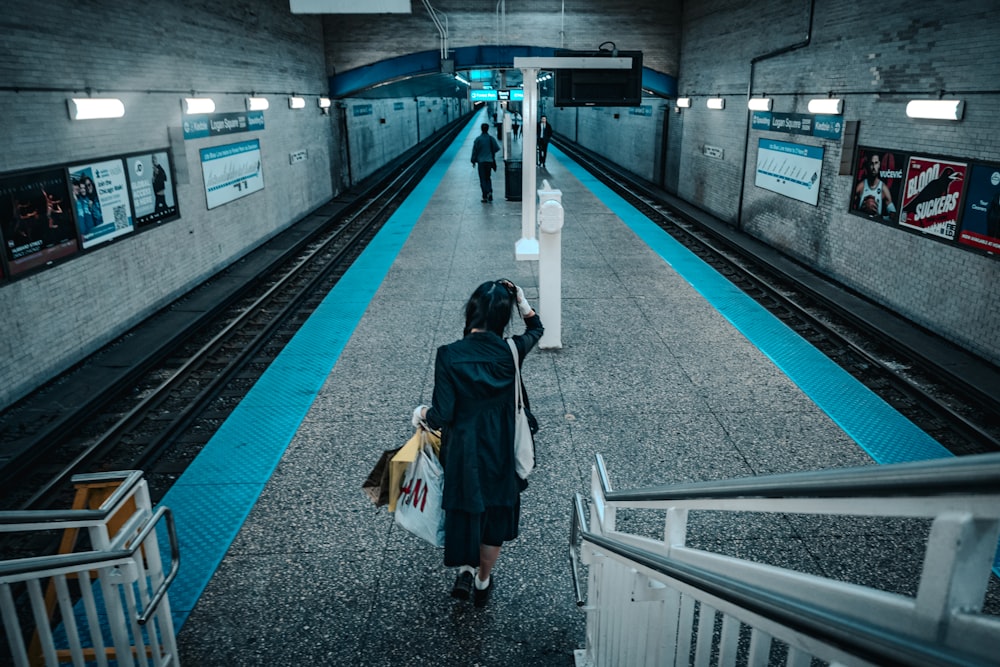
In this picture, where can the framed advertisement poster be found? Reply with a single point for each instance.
(231, 172)
(932, 194)
(101, 202)
(878, 181)
(36, 220)
(981, 216)
(789, 169)
(151, 187)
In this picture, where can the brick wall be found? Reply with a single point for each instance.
(637, 131)
(381, 130)
(150, 55)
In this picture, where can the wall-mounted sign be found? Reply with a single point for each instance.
(398, 106)
(644, 110)
(297, 156)
(712, 151)
(487, 95)
(932, 192)
(210, 125)
(981, 219)
(101, 201)
(792, 170)
(36, 219)
(151, 182)
(362, 110)
(827, 127)
(231, 172)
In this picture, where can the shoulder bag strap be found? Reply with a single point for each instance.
(517, 374)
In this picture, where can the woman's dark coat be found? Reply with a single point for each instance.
(473, 405)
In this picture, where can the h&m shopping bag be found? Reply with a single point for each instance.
(418, 509)
(405, 456)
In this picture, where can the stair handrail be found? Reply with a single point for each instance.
(967, 475)
(879, 646)
(32, 567)
(961, 487)
(17, 520)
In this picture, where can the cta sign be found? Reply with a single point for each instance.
(211, 125)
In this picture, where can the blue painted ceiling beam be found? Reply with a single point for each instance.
(356, 81)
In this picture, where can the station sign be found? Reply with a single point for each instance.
(825, 127)
(486, 95)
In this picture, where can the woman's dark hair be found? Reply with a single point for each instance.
(490, 307)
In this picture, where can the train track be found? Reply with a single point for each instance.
(934, 398)
(164, 414)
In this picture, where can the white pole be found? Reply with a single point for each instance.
(527, 247)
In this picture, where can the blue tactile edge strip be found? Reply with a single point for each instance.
(885, 434)
(214, 496)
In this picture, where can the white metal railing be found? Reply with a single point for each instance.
(660, 602)
(106, 605)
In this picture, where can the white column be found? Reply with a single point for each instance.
(527, 247)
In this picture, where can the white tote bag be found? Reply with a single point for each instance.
(418, 508)
(524, 444)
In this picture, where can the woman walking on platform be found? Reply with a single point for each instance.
(473, 405)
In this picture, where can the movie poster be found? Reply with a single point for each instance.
(151, 185)
(981, 217)
(100, 195)
(931, 196)
(36, 220)
(878, 179)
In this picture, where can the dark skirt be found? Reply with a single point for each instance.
(464, 532)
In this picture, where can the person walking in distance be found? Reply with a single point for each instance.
(473, 406)
(544, 134)
(484, 150)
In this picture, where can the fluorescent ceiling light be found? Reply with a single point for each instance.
(296, 103)
(832, 106)
(350, 7)
(683, 102)
(716, 103)
(323, 102)
(257, 104)
(759, 104)
(89, 108)
(196, 105)
(936, 109)
(458, 78)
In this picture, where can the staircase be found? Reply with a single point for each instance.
(656, 601)
(103, 598)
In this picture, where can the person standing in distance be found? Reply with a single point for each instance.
(544, 134)
(473, 406)
(484, 150)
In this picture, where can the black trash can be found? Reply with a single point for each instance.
(512, 180)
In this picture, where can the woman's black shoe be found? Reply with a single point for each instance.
(463, 586)
(481, 597)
